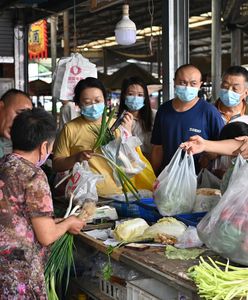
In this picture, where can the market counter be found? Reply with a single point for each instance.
(152, 263)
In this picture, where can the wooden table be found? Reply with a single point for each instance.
(153, 263)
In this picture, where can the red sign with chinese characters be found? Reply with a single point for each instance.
(37, 40)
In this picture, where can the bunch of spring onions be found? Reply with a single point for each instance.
(216, 280)
(61, 256)
(103, 137)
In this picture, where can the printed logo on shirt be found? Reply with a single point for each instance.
(195, 130)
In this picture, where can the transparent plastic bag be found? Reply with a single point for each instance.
(189, 239)
(231, 173)
(175, 188)
(122, 151)
(225, 228)
(206, 179)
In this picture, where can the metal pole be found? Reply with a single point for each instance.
(216, 49)
(54, 56)
(105, 66)
(235, 47)
(66, 33)
(175, 41)
(20, 57)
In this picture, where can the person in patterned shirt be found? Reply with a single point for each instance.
(27, 225)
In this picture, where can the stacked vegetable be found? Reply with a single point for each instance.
(217, 281)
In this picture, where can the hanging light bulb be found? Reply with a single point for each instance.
(125, 30)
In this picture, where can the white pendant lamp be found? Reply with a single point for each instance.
(125, 30)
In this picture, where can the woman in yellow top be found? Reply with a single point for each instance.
(76, 139)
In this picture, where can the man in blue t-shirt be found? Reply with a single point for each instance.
(184, 116)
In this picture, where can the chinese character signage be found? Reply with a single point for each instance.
(37, 40)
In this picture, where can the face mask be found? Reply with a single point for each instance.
(42, 161)
(229, 98)
(186, 93)
(134, 102)
(93, 112)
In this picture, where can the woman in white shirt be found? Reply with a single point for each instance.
(135, 99)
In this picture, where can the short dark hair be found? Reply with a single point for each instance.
(31, 128)
(233, 130)
(89, 82)
(13, 92)
(236, 71)
(146, 111)
(186, 66)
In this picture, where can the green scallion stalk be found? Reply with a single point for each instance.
(126, 183)
(217, 281)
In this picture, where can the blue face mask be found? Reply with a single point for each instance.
(134, 102)
(186, 93)
(229, 98)
(93, 112)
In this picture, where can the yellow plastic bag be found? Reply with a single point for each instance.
(146, 178)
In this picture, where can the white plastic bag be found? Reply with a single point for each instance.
(225, 228)
(59, 75)
(175, 187)
(206, 179)
(189, 239)
(122, 151)
(231, 173)
(206, 199)
(72, 69)
(82, 184)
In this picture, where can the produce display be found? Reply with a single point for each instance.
(131, 230)
(218, 281)
(166, 226)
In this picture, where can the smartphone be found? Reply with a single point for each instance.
(118, 121)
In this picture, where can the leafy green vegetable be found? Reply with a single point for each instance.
(184, 254)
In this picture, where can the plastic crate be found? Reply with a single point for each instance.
(145, 209)
(112, 289)
(150, 289)
(191, 219)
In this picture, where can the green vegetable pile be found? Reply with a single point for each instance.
(216, 280)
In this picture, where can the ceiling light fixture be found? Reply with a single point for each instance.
(125, 30)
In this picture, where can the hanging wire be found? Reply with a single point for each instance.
(151, 13)
(74, 27)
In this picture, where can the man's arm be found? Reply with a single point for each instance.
(156, 157)
(197, 144)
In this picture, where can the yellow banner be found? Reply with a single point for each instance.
(37, 40)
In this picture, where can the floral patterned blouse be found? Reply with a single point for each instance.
(24, 194)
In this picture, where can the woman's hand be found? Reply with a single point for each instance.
(243, 149)
(127, 121)
(196, 144)
(83, 155)
(76, 224)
